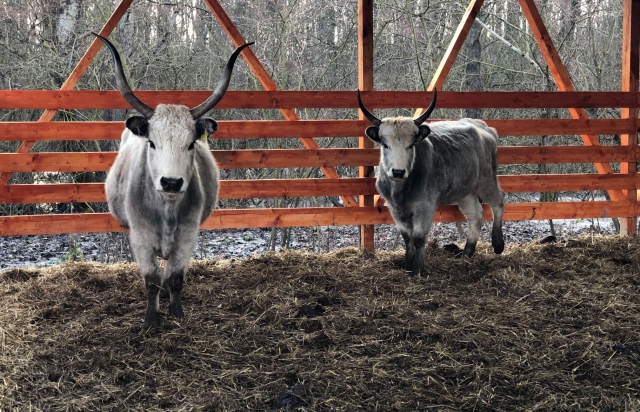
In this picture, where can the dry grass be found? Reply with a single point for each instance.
(542, 327)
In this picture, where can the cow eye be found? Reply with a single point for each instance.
(191, 146)
(151, 144)
(384, 146)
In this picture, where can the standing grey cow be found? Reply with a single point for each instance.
(163, 185)
(425, 166)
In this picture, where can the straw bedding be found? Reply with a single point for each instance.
(541, 327)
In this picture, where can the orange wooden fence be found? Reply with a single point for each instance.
(616, 183)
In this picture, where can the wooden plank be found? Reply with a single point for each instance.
(564, 154)
(268, 83)
(314, 99)
(271, 188)
(565, 182)
(57, 162)
(250, 218)
(455, 45)
(229, 189)
(76, 73)
(365, 83)
(226, 159)
(16, 131)
(294, 158)
(562, 79)
(630, 74)
(450, 55)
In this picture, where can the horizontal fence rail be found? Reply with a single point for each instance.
(291, 158)
(271, 188)
(249, 129)
(251, 218)
(308, 99)
(315, 157)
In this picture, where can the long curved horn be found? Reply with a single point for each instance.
(123, 85)
(426, 114)
(221, 88)
(376, 122)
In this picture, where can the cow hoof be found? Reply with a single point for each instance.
(152, 322)
(150, 326)
(498, 248)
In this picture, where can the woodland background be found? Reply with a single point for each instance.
(304, 45)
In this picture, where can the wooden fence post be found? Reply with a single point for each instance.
(630, 69)
(365, 82)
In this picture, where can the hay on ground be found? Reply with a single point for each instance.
(541, 327)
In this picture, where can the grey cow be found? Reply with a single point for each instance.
(425, 166)
(163, 185)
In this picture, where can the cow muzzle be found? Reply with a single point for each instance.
(171, 184)
(398, 174)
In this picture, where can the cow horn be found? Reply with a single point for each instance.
(376, 122)
(123, 85)
(426, 114)
(221, 88)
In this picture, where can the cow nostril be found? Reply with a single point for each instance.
(398, 173)
(170, 184)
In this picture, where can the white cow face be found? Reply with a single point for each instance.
(172, 136)
(398, 137)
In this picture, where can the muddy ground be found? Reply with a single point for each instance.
(541, 327)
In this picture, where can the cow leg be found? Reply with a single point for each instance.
(148, 262)
(176, 268)
(422, 220)
(495, 198)
(472, 209)
(410, 251)
(174, 283)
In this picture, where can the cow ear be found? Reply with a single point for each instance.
(138, 125)
(372, 133)
(423, 131)
(205, 127)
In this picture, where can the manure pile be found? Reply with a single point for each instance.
(541, 327)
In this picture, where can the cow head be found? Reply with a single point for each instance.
(172, 131)
(398, 137)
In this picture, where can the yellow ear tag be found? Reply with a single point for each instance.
(204, 135)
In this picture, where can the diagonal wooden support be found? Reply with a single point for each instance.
(451, 54)
(77, 73)
(268, 83)
(449, 57)
(630, 82)
(562, 78)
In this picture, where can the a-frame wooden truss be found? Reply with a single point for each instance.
(631, 42)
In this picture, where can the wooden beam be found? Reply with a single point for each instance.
(259, 129)
(284, 188)
(365, 83)
(561, 77)
(294, 158)
(251, 218)
(268, 83)
(630, 74)
(77, 73)
(314, 99)
(229, 189)
(565, 182)
(455, 45)
(564, 154)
